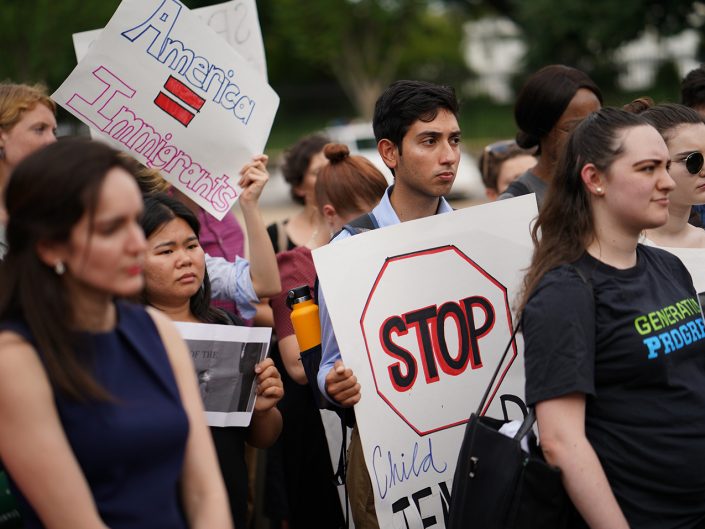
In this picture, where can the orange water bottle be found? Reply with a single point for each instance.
(304, 317)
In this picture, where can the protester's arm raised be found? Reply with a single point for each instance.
(33, 445)
(263, 261)
(561, 424)
(202, 490)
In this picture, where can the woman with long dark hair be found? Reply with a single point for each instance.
(102, 421)
(177, 283)
(614, 336)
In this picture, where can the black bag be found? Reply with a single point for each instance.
(497, 485)
(9, 515)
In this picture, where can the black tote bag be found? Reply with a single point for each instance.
(497, 485)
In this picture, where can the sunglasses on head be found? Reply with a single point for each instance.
(693, 162)
(499, 151)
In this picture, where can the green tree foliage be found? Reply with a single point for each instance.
(585, 34)
(36, 36)
(366, 44)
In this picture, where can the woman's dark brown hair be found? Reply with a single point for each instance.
(48, 194)
(565, 225)
(298, 158)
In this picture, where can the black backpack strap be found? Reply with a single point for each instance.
(364, 222)
(517, 189)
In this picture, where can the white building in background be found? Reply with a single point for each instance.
(494, 49)
(641, 58)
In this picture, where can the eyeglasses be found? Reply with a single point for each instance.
(693, 162)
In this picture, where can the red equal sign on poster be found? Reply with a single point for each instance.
(180, 112)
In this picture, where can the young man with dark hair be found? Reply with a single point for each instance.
(418, 137)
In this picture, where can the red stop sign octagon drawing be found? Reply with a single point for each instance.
(435, 325)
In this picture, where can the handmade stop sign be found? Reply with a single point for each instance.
(432, 343)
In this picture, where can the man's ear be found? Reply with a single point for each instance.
(491, 194)
(389, 153)
(594, 179)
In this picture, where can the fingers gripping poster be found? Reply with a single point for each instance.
(422, 312)
(161, 84)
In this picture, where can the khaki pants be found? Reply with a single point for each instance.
(362, 500)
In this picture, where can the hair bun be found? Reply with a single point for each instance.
(639, 105)
(336, 152)
(526, 140)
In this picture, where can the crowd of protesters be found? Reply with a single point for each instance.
(102, 422)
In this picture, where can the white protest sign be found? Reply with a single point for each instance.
(234, 21)
(224, 357)
(160, 83)
(421, 311)
(694, 261)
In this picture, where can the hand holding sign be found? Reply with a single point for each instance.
(253, 177)
(342, 385)
(270, 389)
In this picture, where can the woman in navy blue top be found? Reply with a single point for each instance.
(102, 424)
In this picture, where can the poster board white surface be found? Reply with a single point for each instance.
(421, 312)
(235, 21)
(694, 261)
(161, 84)
(224, 358)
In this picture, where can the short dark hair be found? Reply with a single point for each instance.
(405, 102)
(159, 209)
(544, 97)
(297, 159)
(693, 88)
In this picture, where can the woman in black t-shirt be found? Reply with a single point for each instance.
(614, 338)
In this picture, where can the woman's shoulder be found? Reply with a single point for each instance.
(19, 357)
(566, 274)
(133, 315)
